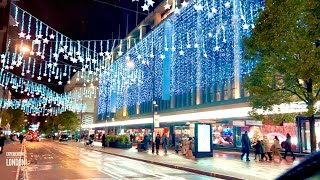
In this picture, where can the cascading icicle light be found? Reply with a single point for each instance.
(201, 43)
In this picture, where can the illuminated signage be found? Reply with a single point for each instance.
(204, 134)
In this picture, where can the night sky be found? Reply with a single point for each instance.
(86, 19)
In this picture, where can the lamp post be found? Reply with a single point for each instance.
(130, 65)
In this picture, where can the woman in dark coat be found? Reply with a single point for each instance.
(258, 150)
(103, 140)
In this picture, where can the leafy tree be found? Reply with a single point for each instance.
(67, 120)
(15, 117)
(285, 41)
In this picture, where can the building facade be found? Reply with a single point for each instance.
(191, 66)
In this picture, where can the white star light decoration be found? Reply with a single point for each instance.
(167, 6)
(145, 7)
(52, 36)
(28, 37)
(120, 53)
(37, 41)
(150, 3)
(198, 7)
(60, 83)
(184, 4)
(22, 35)
(227, 5)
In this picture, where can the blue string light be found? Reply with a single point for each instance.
(201, 49)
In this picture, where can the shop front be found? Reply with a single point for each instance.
(304, 133)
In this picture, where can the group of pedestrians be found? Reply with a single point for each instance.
(263, 148)
(164, 143)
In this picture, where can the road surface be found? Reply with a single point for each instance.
(55, 161)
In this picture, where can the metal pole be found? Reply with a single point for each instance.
(81, 117)
(153, 100)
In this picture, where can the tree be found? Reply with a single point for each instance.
(67, 120)
(285, 42)
(14, 117)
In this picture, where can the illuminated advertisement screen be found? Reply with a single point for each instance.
(204, 142)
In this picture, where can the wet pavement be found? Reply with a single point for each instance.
(54, 161)
(8, 170)
(223, 162)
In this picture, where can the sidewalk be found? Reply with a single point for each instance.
(6, 171)
(223, 164)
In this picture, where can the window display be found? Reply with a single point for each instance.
(257, 132)
(222, 134)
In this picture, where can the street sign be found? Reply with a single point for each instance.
(156, 121)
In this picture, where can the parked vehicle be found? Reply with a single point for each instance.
(63, 137)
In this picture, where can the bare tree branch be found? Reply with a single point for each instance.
(295, 93)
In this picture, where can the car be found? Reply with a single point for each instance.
(29, 137)
(36, 138)
(32, 137)
(63, 137)
(307, 169)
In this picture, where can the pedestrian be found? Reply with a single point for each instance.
(245, 145)
(267, 147)
(146, 142)
(263, 151)
(2, 139)
(173, 140)
(103, 141)
(276, 147)
(157, 143)
(131, 138)
(21, 138)
(287, 147)
(165, 143)
(14, 138)
(185, 146)
(258, 150)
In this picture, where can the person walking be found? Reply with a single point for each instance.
(275, 147)
(21, 138)
(103, 141)
(287, 147)
(258, 150)
(267, 147)
(165, 143)
(245, 145)
(14, 138)
(2, 139)
(157, 143)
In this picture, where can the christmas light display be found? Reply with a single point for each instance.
(202, 43)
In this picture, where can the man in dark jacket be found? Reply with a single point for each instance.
(245, 145)
(2, 139)
(21, 138)
(158, 143)
(287, 147)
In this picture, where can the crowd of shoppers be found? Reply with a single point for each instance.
(263, 150)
